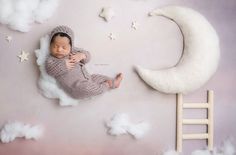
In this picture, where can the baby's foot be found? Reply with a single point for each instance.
(118, 80)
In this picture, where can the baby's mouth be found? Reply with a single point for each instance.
(60, 55)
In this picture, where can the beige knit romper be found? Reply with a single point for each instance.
(76, 82)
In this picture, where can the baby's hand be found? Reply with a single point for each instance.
(77, 57)
(70, 63)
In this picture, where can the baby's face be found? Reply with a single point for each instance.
(60, 47)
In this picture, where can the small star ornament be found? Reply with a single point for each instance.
(107, 13)
(23, 56)
(8, 38)
(112, 36)
(134, 25)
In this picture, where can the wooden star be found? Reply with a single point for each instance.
(134, 25)
(23, 56)
(112, 36)
(107, 13)
(8, 38)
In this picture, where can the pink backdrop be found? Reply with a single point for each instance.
(156, 44)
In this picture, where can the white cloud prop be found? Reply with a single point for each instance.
(171, 152)
(120, 124)
(48, 84)
(200, 55)
(19, 14)
(10, 131)
(226, 149)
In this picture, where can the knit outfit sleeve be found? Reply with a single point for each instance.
(55, 67)
(88, 56)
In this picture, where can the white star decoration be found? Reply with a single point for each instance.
(8, 38)
(23, 56)
(134, 25)
(112, 36)
(107, 13)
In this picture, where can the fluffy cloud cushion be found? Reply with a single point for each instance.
(12, 130)
(120, 124)
(227, 148)
(47, 84)
(19, 14)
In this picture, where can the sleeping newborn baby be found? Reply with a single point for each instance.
(66, 64)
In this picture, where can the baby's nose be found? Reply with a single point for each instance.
(59, 49)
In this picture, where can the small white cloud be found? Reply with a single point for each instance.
(226, 149)
(139, 130)
(201, 152)
(170, 152)
(120, 124)
(18, 15)
(12, 130)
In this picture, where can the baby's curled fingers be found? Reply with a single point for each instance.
(71, 55)
(70, 64)
(78, 56)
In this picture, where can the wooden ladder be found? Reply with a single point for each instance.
(208, 121)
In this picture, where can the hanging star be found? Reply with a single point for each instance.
(23, 56)
(8, 38)
(112, 36)
(107, 13)
(134, 25)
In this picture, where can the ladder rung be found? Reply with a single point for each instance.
(195, 121)
(196, 105)
(195, 136)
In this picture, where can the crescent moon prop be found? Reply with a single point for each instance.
(200, 55)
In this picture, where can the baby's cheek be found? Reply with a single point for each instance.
(52, 49)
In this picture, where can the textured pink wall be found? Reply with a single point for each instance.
(156, 44)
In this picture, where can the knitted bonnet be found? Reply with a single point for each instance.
(63, 29)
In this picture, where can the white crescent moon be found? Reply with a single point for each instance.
(200, 56)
